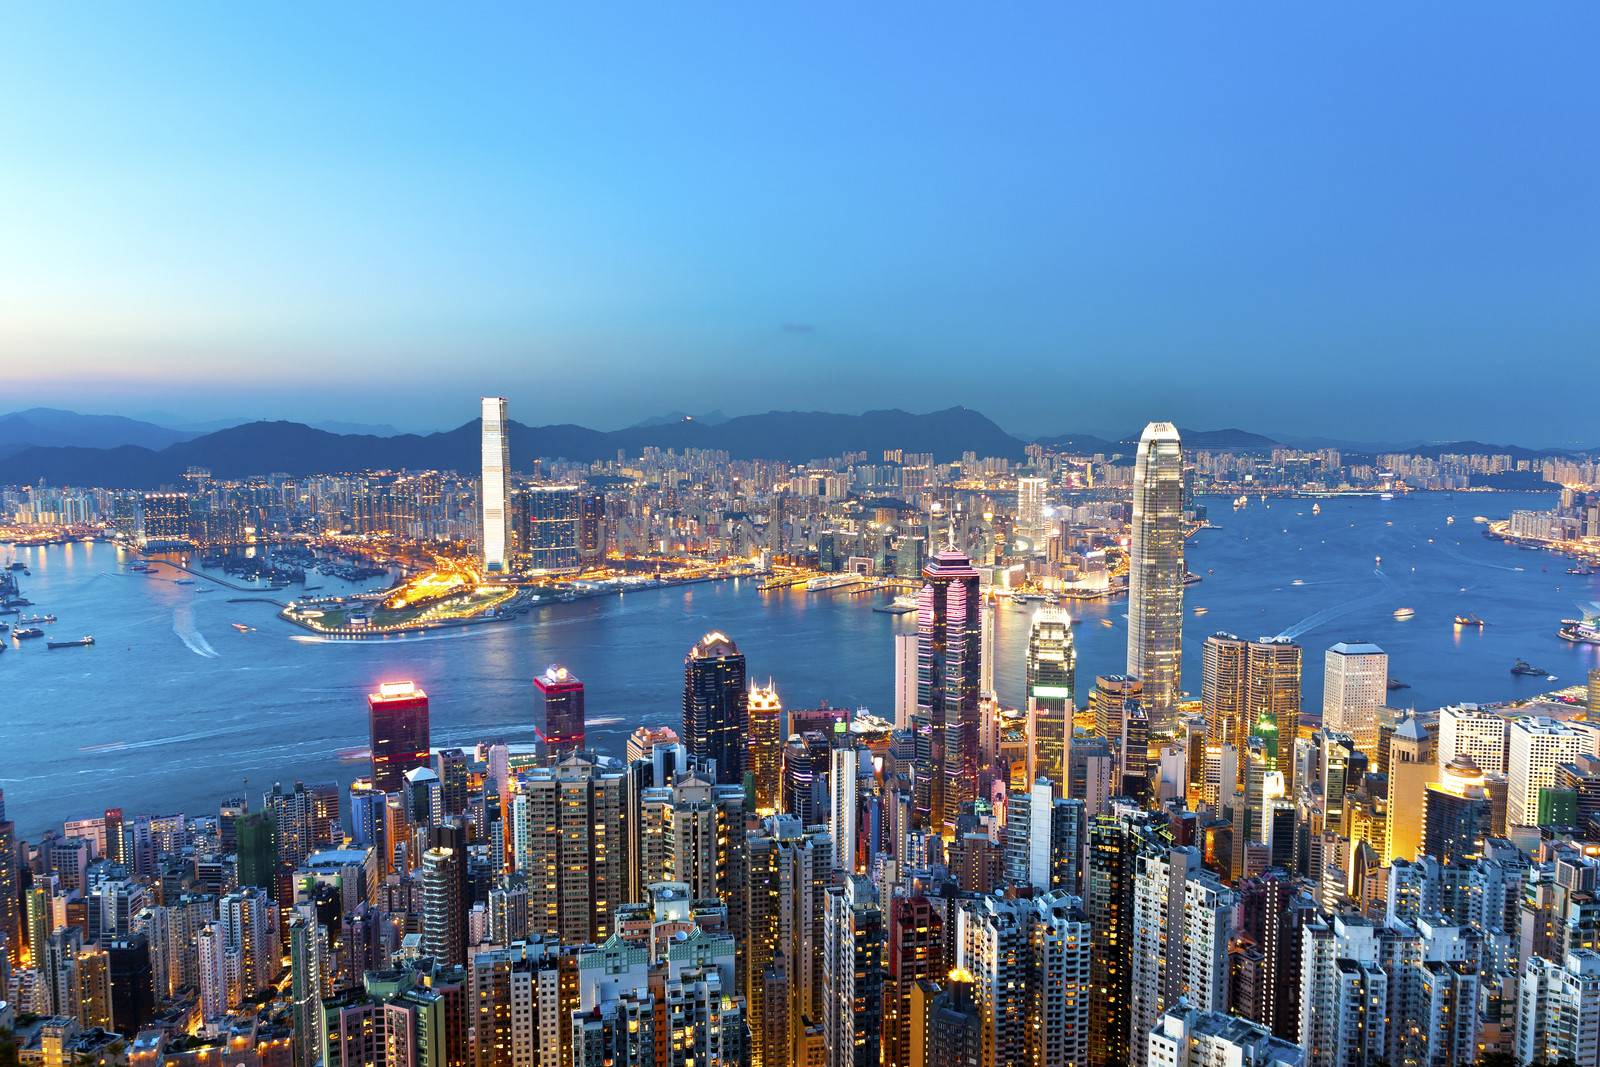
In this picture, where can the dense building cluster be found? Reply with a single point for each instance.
(1114, 874)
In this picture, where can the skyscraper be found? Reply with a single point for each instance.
(1355, 684)
(552, 537)
(949, 669)
(495, 490)
(1273, 673)
(843, 799)
(1456, 813)
(568, 838)
(1156, 572)
(397, 716)
(562, 693)
(852, 975)
(914, 953)
(1052, 671)
(443, 909)
(766, 746)
(1224, 691)
(1030, 510)
(716, 705)
(10, 900)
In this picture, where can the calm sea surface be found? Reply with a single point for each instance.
(173, 708)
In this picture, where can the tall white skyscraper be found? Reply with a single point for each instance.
(905, 679)
(1156, 572)
(1538, 746)
(1355, 684)
(1030, 509)
(1467, 729)
(842, 787)
(495, 490)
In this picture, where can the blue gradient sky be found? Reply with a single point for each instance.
(1365, 221)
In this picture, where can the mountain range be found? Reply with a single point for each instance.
(65, 448)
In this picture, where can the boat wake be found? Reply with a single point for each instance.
(183, 625)
(1327, 615)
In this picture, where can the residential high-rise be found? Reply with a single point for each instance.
(852, 974)
(1355, 684)
(692, 832)
(568, 826)
(716, 705)
(1181, 918)
(844, 802)
(993, 945)
(766, 746)
(1052, 671)
(1558, 1009)
(1115, 842)
(494, 486)
(444, 911)
(1186, 1036)
(914, 953)
(592, 528)
(397, 715)
(790, 871)
(1156, 572)
(951, 1032)
(562, 695)
(949, 672)
(1059, 987)
(1224, 690)
(551, 534)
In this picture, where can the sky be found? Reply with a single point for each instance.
(1365, 221)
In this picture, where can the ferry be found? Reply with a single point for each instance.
(1385, 496)
(1404, 613)
(830, 581)
(1523, 668)
(1584, 631)
(1469, 620)
(1316, 509)
(83, 642)
(900, 605)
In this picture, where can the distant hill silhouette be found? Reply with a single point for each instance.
(53, 426)
(294, 448)
(101, 453)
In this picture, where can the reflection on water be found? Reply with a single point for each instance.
(173, 707)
